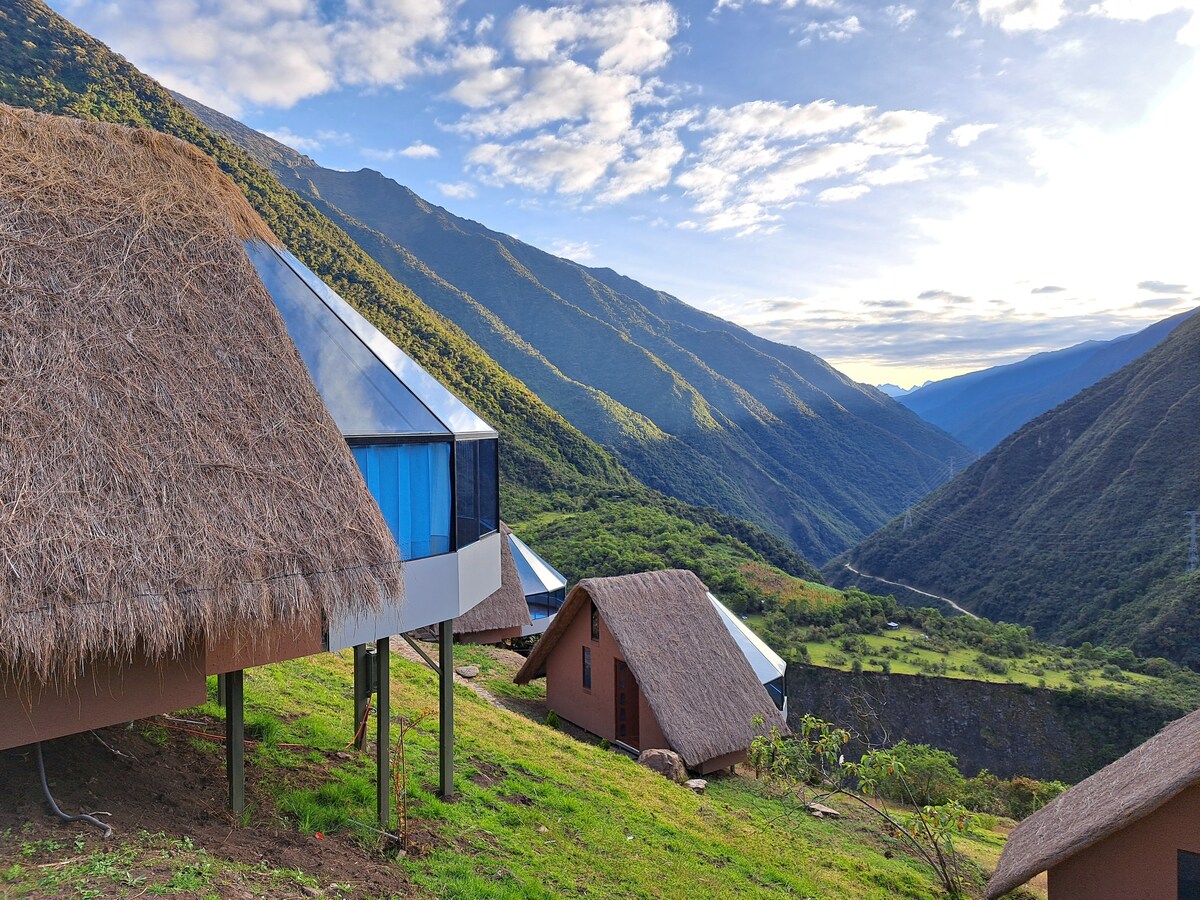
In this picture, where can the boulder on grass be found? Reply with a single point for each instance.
(467, 671)
(696, 784)
(666, 763)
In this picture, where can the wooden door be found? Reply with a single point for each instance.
(626, 697)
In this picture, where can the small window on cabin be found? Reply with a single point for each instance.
(1189, 875)
(595, 622)
(587, 668)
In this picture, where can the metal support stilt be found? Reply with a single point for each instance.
(362, 694)
(382, 736)
(235, 735)
(220, 690)
(446, 708)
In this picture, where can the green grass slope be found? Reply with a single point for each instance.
(49, 65)
(694, 406)
(538, 814)
(1075, 524)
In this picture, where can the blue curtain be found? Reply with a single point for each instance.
(411, 484)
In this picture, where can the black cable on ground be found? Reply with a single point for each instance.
(82, 817)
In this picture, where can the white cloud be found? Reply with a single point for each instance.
(966, 135)
(1023, 15)
(297, 142)
(1145, 10)
(909, 169)
(577, 250)
(420, 150)
(902, 16)
(842, 193)
(460, 190)
(270, 52)
(837, 30)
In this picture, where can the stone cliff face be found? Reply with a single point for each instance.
(1009, 729)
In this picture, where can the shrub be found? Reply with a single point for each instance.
(931, 775)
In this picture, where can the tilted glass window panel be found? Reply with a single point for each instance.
(411, 484)
(776, 690)
(537, 575)
(383, 361)
(362, 394)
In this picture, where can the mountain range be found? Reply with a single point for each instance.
(1078, 523)
(982, 408)
(692, 405)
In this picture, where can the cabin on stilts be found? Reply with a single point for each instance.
(181, 493)
(646, 661)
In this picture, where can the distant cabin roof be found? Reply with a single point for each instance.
(372, 388)
(505, 607)
(696, 679)
(1120, 794)
(537, 575)
(167, 468)
(767, 664)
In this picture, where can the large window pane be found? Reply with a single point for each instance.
(411, 484)
(476, 504)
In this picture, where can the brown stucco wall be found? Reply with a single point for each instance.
(103, 694)
(245, 648)
(1137, 863)
(592, 710)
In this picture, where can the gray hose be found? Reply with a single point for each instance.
(82, 817)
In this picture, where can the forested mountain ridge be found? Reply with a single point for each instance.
(1076, 524)
(982, 408)
(547, 465)
(695, 406)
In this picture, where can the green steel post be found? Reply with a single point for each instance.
(383, 717)
(362, 694)
(235, 735)
(446, 708)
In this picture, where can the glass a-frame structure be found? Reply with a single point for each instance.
(430, 462)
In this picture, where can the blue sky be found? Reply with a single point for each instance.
(910, 190)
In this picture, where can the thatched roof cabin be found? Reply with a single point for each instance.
(168, 473)
(695, 691)
(1120, 832)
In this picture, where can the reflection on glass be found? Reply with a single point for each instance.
(411, 484)
(476, 500)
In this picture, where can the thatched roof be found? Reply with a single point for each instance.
(696, 680)
(506, 608)
(1118, 795)
(167, 469)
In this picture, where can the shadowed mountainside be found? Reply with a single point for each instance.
(1077, 523)
(982, 408)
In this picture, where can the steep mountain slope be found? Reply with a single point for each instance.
(695, 406)
(982, 408)
(49, 65)
(1075, 524)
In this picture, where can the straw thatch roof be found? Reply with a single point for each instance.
(167, 469)
(506, 608)
(1117, 796)
(695, 679)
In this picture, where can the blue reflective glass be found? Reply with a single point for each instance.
(775, 689)
(411, 484)
(476, 467)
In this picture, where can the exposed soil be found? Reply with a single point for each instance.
(179, 789)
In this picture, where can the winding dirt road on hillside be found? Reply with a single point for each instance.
(909, 587)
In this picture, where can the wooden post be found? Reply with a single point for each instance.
(235, 736)
(362, 694)
(383, 716)
(446, 708)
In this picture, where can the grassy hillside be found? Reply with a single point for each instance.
(1075, 524)
(49, 65)
(538, 814)
(693, 405)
